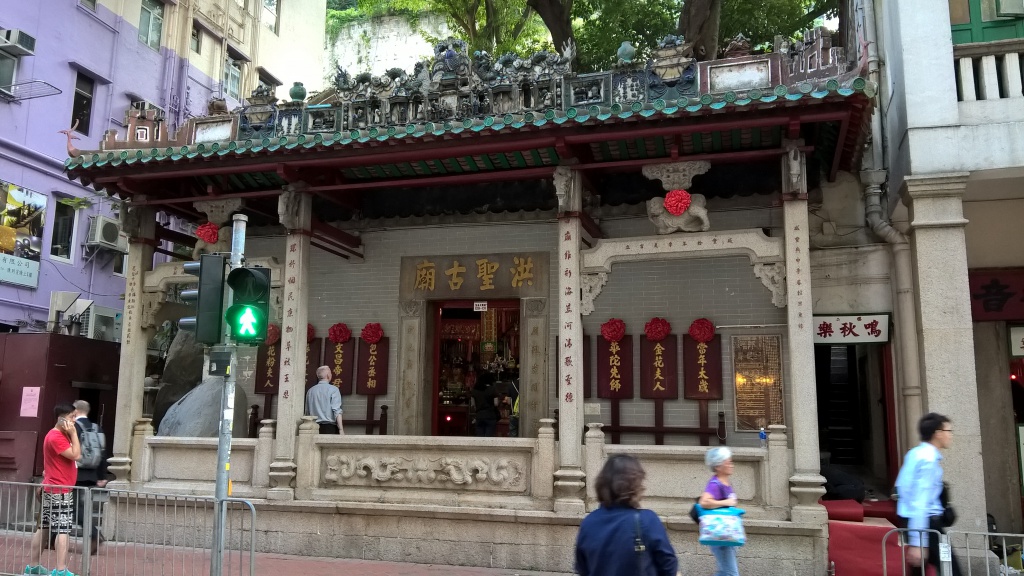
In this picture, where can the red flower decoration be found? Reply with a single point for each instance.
(273, 334)
(208, 233)
(310, 332)
(372, 333)
(677, 201)
(657, 329)
(339, 333)
(702, 330)
(613, 330)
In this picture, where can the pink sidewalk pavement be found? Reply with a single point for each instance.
(280, 565)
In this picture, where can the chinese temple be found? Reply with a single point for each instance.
(650, 259)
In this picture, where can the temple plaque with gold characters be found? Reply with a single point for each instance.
(757, 361)
(475, 276)
(372, 369)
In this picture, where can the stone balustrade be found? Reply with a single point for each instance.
(989, 81)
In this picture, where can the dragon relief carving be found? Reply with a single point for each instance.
(501, 472)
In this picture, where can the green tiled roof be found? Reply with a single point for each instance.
(802, 93)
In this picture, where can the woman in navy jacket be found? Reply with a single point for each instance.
(606, 544)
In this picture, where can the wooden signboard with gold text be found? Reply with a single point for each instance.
(757, 361)
(615, 368)
(475, 276)
(372, 373)
(659, 371)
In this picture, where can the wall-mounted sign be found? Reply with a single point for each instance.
(1016, 341)
(21, 234)
(475, 277)
(997, 294)
(480, 306)
(861, 329)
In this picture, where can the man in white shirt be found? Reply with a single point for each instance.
(919, 488)
(324, 402)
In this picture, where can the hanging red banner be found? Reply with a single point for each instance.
(314, 350)
(268, 368)
(702, 369)
(615, 368)
(659, 371)
(341, 358)
(372, 373)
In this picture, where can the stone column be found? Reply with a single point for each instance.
(410, 417)
(594, 462)
(295, 212)
(533, 369)
(140, 225)
(264, 455)
(806, 484)
(946, 331)
(569, 479)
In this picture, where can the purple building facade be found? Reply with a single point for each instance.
(91, 65)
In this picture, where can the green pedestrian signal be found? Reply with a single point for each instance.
(250, 305)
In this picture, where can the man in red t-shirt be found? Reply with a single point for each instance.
(60, 452)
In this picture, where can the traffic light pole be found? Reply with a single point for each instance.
(227, 403)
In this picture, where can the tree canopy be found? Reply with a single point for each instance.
(598, 27)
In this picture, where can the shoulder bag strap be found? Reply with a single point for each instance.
(638, 544)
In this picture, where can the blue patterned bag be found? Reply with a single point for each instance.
(722, 527)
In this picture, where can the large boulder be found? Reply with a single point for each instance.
(183, 370)
(198, 413)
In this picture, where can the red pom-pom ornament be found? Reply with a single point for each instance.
(702, 330)
(208, 233)
(613, 330)
(273, 334)
(339, 333)
(677, 201)
(657, 329)
(372, 333)
(310, 332)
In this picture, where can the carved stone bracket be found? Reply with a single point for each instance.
(149, 307)
(568, 195)
(677, 174)
(219, 211)
(412, 308)
(750, 243)
(535, 307)
(592, 285)
(289, 208)
(773, 276)
(694, 219)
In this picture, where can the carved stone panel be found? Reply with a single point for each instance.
(427, 470)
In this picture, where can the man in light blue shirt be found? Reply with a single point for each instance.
(919, 486)
(323, 401)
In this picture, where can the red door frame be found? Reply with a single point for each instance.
(892, 454)
(436, 306)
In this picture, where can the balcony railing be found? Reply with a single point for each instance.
(989, 84)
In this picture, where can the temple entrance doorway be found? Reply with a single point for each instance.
(856, 420)
(476, 346)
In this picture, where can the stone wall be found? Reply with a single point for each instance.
(379, 44)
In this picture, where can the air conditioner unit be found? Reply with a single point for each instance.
(103, 324)
(143, 105)
(105, 232)
(17, 43)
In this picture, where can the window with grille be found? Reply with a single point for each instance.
(151, 23)
(197, 40)
(232, 78)
(81, 111)
(62, 242)
(8, 70)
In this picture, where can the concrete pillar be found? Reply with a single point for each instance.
(295, 211)
(264, 455)
(594, 462)
(945, 331)
(544, 474)
(411, 415)
(778, 467)
(533, 368)
(569, 390)
(909, 348)
(806, 484)
(998, 426)
(140, 225)
(307, 459)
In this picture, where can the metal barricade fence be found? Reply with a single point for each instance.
(1001, 552)
(900, 534)
(134, 533)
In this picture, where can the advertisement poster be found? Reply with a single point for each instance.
(21, 234)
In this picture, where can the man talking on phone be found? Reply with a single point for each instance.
(60, 452)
